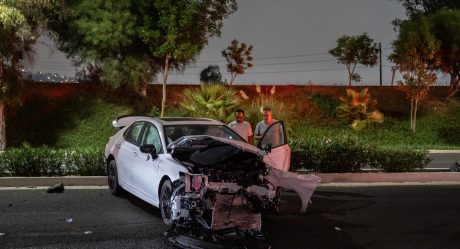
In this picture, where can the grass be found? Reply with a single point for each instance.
(83, 120)
(435, 130)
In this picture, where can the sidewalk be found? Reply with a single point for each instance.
(371, 178)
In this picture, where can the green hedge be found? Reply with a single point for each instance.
(342, 153)
(44, 161)
(345, 153)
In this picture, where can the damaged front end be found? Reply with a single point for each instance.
(219, 203)
(218, 214)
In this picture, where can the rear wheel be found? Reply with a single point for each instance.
(112, 177)
(165, 202)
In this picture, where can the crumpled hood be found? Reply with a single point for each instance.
(209, 151)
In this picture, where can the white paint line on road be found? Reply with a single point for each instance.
(363, 184)
(46, 187)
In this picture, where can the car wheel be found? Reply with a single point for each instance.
(165, 202)
(112, 177)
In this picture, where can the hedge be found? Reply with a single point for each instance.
(44, 161)
(345, 153)
(342, 153)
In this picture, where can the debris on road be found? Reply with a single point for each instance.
(69, 220)
(2, 234)
(337, 228)
(88, 232)
(58, 188)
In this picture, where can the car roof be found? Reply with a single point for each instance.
(187, 120)
(124, 120)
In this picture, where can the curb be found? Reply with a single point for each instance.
(48, 181)
(370, 178)
(379, 177)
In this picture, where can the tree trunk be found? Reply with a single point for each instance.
(1, 71)
(412, 114)
(165, 80)
(393, 72)
(349, 75)
(232, 78)
(453, 86)
(415, 114)
(2, 126)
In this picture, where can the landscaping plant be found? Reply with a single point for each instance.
(358, 108)
(215, 101)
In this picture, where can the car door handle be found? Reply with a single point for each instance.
(135, 154)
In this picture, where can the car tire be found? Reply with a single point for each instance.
(165, 202)
(112, 178)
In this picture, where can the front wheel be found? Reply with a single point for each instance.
(165, 202)
(112, 177)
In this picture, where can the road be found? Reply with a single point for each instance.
(413, 216)
(442, 160)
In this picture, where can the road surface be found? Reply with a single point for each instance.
(414, 216)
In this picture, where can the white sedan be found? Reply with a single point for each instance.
(196, 170)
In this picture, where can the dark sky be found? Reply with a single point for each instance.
(290, 38)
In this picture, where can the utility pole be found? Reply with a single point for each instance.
(380, 51)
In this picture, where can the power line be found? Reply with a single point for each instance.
(270, 57)
(289, 71)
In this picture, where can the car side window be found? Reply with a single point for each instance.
(133, 133)
(151, 136)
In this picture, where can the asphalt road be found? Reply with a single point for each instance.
(416, 216)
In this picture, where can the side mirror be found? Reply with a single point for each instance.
(268, 148)
(149, 149)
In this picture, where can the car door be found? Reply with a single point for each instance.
(274, 141)
(128, 149)
(144, 167)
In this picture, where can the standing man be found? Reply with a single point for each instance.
(262, 126)
(243, 128)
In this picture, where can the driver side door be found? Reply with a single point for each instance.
(274, 141)
(144, 168)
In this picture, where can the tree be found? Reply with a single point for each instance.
(415, 53)
(134, 40)
(211, 74)
(239, 57)
(418, 79)
(353, 50)
(436, 40)
(427, 7)
(21, 23)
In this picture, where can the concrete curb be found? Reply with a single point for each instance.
(370, 178)
(374, 177)
(48, 181)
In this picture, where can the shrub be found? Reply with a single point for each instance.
(43, 161)
(339, 154)
(214, 101)
(359, 109)
(398, 160)
(345, 153)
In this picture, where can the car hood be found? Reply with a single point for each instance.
(213, 152)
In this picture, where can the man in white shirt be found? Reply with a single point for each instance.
(243, 128)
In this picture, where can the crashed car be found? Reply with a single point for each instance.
(210, 185)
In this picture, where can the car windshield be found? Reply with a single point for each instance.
(173, 132)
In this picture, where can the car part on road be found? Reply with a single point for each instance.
(57, 188)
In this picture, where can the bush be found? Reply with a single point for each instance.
(398, 160)
(214, 101)
(344, 153)
(43, 161)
